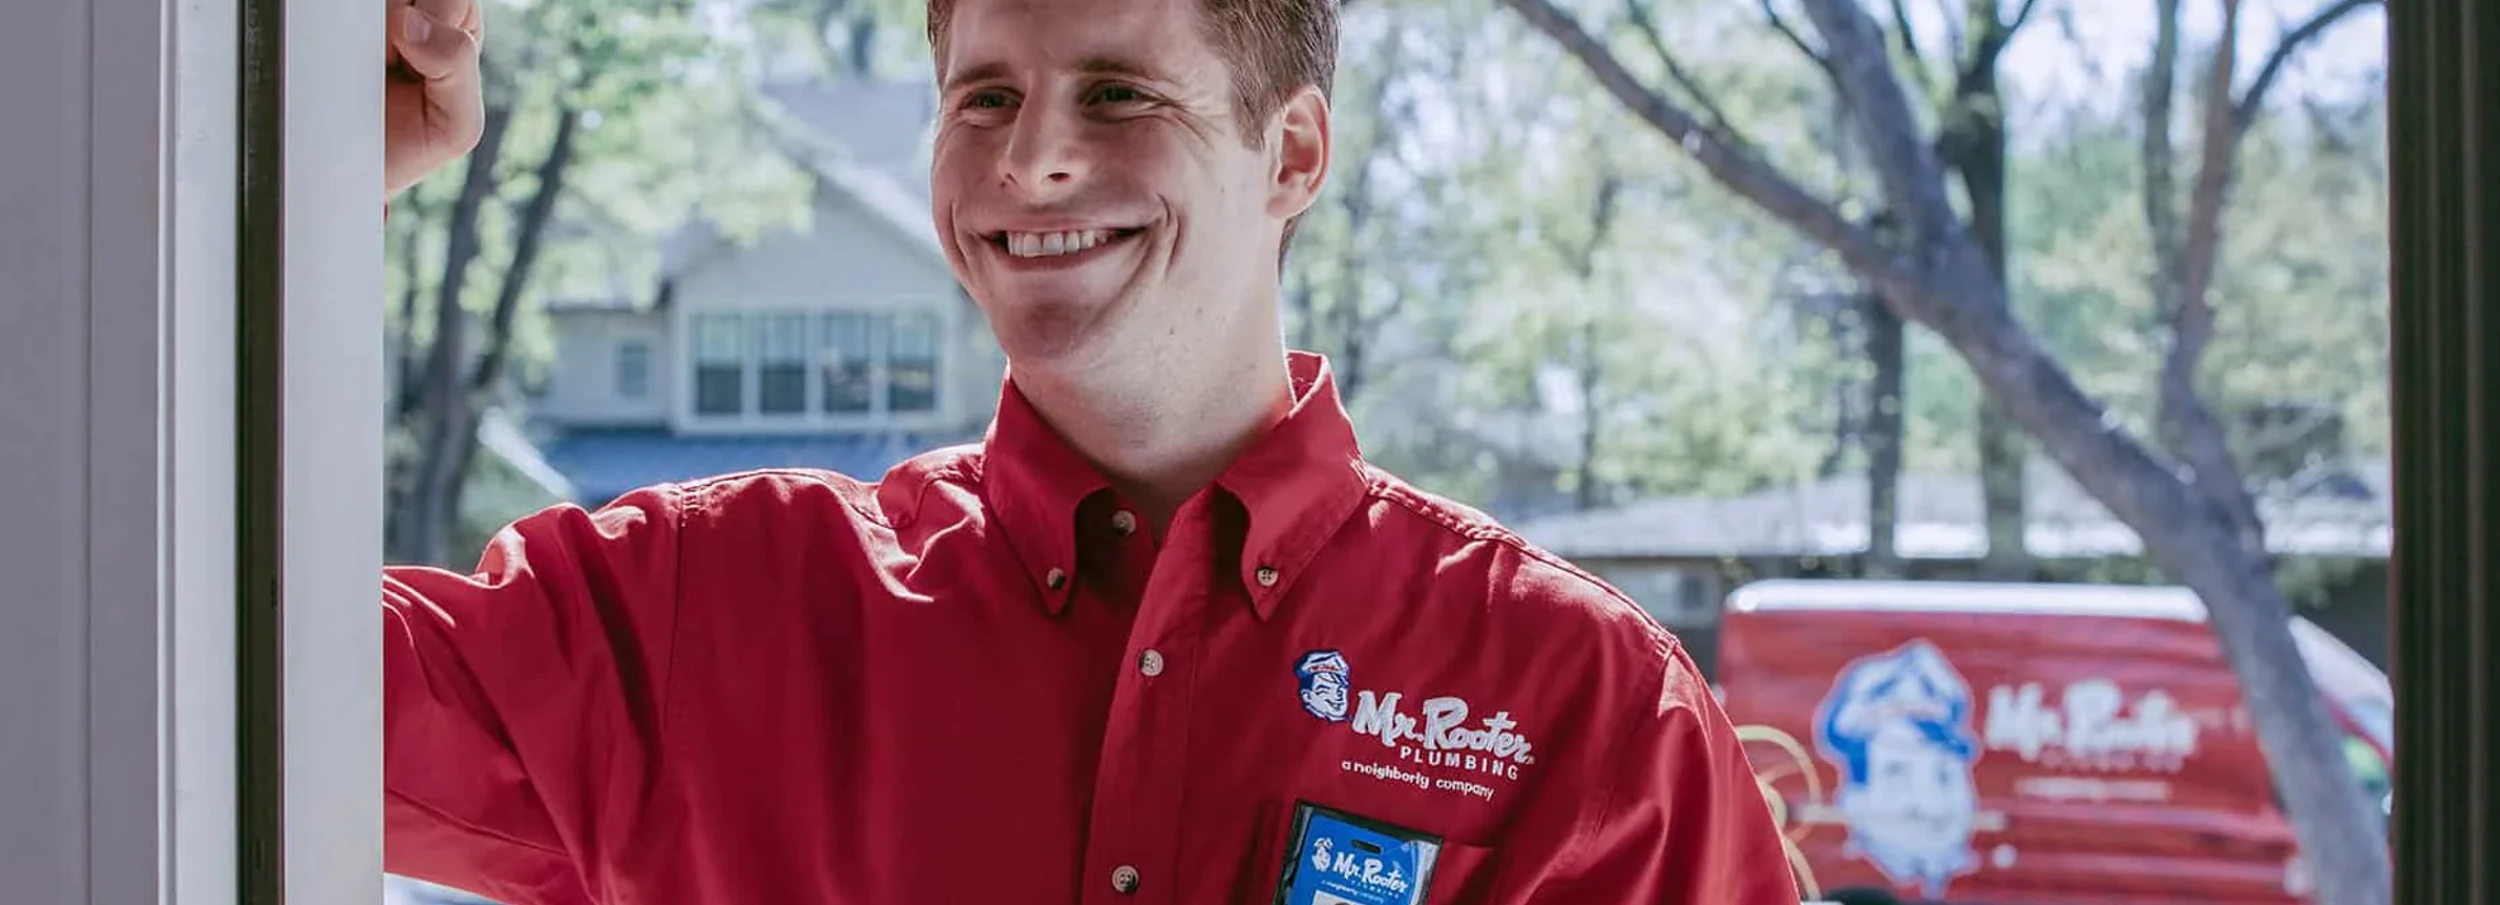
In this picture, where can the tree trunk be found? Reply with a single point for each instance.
(1589, 494)
(1587, 364)
(1972, 145)
(1882, 434)
(1941, 279)
(422, 523)
(530, 236)
(2185, 260)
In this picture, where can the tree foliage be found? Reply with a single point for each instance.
(609, 124)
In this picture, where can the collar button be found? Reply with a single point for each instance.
(1124, 523)
(1058, 578)
(1267, 576)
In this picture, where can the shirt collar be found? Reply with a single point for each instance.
(1298, 484)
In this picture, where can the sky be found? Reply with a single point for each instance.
(2112, 37)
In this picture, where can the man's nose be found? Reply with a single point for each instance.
(1044, 153)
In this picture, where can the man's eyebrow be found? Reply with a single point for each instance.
(1090, 65)
(1112, 66)
(982, 73)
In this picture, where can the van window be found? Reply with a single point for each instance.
(2369, 767)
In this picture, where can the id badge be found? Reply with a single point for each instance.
(1343, 859)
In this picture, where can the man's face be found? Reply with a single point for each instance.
(1092, 185)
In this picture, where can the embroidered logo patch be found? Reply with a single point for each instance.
(1438, 736)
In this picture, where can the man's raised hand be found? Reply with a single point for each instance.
(434, 104)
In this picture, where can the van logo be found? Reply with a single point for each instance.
(2093, 725)
(1898, 726)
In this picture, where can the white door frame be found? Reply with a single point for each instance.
(119, 424)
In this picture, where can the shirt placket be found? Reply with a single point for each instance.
(1132, 850)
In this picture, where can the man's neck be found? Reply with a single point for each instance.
(1162, 431)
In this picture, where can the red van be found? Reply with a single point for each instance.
(2017, 744)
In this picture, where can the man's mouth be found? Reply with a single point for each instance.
(1057, 243)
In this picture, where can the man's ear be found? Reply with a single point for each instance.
(1301, 154)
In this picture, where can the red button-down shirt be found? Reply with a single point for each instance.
(978, 681)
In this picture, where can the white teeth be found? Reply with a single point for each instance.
(1043, 245)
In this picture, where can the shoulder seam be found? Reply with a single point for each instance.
(851, 496)
(1397, 492)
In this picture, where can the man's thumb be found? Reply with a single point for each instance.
(435, 49)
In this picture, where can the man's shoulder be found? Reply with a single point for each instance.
(1522, 580)
(765, 492)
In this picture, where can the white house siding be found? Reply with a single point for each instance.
(853, 259)
(586, 388)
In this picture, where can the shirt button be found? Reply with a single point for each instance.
(1150, 663)
(1056, 578)
(1124, 523)
(1267, 576)
(1124, 879)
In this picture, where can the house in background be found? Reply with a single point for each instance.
(1679, 557)
(847, 345)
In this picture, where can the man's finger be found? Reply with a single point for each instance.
(461, 14)
(433, 48)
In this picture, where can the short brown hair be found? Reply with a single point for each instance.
(1272, 47)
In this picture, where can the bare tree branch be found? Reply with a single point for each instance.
(2067, 26)
(2020, 16)
(1907, 39)
(2186, 422)
(2245, 112)
(1956, 28)
(2160, 183)
(1638, 15)
(1740, 170)
(2218, 152)
(1771, 14)
(1913, 177)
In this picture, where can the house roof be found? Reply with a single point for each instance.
(603, 464)
(502, 437)
(1940, 516)
(863, 139)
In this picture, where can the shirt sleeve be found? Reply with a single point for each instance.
(522, 702)
(1686, 822)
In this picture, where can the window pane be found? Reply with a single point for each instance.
(719, 365)
(781, 374)
(718, 339)
(781, 338)
(847, 356)
(911, 364)
(633, 369)
(718, 391)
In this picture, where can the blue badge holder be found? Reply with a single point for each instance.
(1338, 858)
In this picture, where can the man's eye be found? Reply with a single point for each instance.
(985, 100)
(1117, 94)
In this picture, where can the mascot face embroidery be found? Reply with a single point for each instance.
(1326, 687)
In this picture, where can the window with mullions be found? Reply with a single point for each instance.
(781, 368)
(633, 369)
(847, 358)
(719, 365)
(911, 364)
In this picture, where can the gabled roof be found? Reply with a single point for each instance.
(865, 140)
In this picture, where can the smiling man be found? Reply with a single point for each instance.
(1162, 636)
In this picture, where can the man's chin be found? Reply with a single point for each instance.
(1046, 330)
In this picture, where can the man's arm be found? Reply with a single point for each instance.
(522, 703)
(1685, 822)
